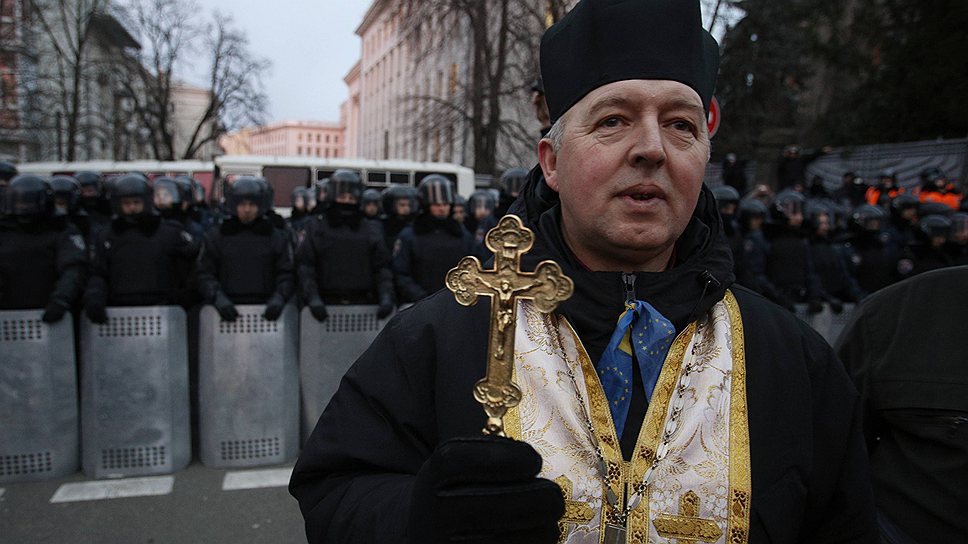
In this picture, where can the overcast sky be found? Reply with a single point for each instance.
(311, 44)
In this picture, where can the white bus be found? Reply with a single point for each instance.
(287, 173)
(283, 173)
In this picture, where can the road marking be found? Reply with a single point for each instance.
(114, 489)
(2, 490)
(254, 479)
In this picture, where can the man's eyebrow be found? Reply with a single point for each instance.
(689, 105)
(621, 102)
(608, 102)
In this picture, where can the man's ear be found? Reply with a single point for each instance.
(548, 160)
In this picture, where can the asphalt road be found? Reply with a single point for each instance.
(197, 504)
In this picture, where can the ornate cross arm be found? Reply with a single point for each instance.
(505, 283)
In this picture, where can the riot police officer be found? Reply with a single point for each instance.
(370, 204)
(92, 202)
(874, 258)
(904, 220)
(727, 200)
(428, 249)
(751, 265)
(137, 258)
(480, 215)
(929, 251)
(342, 258)
(830, 261)
(300, 209)
(510, 185)
(400, 207)
(246, 260)
(42, 263)
(789, 265)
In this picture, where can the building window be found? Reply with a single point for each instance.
(317, 138)
(299, 150)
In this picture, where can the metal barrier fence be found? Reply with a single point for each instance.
(827, 323)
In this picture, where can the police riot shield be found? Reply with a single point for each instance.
(38, 397)
(829, 324)
(134, 393)
(327, 350)
(248, 384)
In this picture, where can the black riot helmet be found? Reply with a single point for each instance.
(168, 197)
(91, 184)
(185, 190)
(299, 199)
(481, 204)
(370, 203)
(198, 192)
(512, 181)
(395, 193)
(67, 193)
(902, 203)
(935, 226)
(7, 171)
(128, 187)
(345, 184)
(435, 189)
(28, 197)
(786, 206)
(248, 189)
(750, 209)
(868, 218)
(725, 194)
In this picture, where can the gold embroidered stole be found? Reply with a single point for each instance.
(699, 490)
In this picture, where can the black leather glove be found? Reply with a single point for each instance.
(468, 484)
(274, 307)
(836, 305)
(385, 308)
(225, 307)
(814, 307)
(317, 308)
(53, 313)
(96, 312)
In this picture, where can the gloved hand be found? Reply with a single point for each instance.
(814, 307)
(274, 307)
(96, 312)
(385, 308)
(53, 313)
(468, 484)
(836, 305)
(317, 308)
(225, 307)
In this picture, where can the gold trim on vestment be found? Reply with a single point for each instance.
(740, 471)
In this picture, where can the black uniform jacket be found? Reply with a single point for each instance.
(411, 390)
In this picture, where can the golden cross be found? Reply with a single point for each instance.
(687, 526)
(505, 283)
(576, 512)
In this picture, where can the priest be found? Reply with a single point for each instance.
(660, 402)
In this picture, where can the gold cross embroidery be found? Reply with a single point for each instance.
(576, 512)
(687, 526)
(546, 286)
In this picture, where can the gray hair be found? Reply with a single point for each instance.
(555, 133)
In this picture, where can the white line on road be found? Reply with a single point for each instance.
(254, 479)
(114, 489)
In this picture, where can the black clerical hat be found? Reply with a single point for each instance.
(603, 41)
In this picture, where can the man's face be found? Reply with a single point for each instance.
(440, 211)
(346, 198)
(459, 214)
(132, 205)
(247, 211)
(402, 206)
(371, 209)
(628, 172)
(823, 225)
(88, 191)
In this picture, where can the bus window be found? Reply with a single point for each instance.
(376, 177)
(400, 177)
(323, 174)
(418, 176)
(283, 179)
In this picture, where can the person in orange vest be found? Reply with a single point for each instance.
(935, 187)
(882, 193)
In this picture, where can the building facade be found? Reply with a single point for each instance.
(288, 138)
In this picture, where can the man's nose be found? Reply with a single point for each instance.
(647, 146)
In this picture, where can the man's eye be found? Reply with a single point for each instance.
(684, 126)
(610, 122)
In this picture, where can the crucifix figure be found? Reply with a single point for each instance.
(687, 526)
(505, 283)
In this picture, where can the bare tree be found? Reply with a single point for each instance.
(170, 37)
(496, 42)
(67, 26)
(236, 98)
